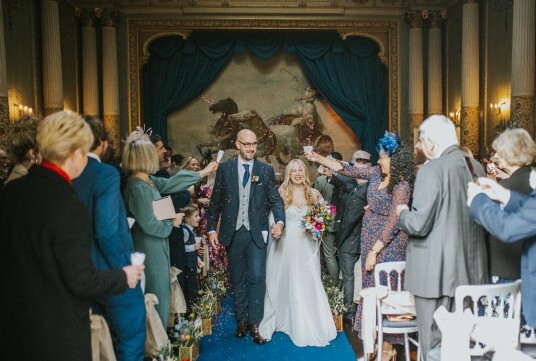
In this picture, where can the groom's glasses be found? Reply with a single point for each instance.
(248, 145)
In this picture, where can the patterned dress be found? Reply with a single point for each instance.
(380, 224)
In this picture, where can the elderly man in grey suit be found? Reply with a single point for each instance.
(446, 247)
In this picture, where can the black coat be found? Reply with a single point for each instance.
(505, 258)
(351, 218)
(48, 274)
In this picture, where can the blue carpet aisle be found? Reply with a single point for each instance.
(222, 345)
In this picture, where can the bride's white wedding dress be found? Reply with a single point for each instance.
(295, 301)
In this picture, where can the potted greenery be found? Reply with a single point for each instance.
(203, 308)
(336, 299)
(187, 333)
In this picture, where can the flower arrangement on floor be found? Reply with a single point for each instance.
(334, 293)
(165, 354)
(217, 282)
(187, 332)
(318, 218)
(205, 304)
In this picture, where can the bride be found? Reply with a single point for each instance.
(295, 301)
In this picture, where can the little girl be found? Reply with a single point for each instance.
(193, 249)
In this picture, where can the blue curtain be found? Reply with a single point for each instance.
(348, 74)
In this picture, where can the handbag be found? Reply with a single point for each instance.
(177, 302)
(102, 348)
(157, 337)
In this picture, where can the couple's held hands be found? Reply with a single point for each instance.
(490, 188)
(277, 230)
(134, 274)
(210, 168)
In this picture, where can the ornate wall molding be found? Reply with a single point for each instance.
(415, 120)
(142, 31)
(4, 109)
(469, 131)
(522, 112)
(415, 18)
(111, 122)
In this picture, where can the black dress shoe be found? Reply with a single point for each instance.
(257, 338)
(241, 329)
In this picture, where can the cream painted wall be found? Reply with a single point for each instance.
(254, 84)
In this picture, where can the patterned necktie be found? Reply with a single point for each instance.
(246, 175)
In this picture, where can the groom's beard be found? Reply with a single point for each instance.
(248, 155)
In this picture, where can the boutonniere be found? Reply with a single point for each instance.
(254, 178)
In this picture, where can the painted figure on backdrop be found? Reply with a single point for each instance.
(282, 135)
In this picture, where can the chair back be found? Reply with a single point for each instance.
(491, 301)
(527, 336)
(389, 268)
(501, 300)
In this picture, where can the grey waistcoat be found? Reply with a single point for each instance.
(243, 194)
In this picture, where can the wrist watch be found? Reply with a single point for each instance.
(374, 251)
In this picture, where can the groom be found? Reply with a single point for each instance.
(245, 191)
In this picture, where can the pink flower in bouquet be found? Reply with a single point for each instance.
(333, 209)
(318, 226)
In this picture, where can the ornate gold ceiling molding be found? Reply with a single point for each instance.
(384, 57)
(142, 32)
(144, 58)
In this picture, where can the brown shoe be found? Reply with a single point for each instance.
(257, 338)
(241, 329)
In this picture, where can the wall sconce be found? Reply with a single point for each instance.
(496, 109)
(500, 110)
(455, 117)
(24, 110)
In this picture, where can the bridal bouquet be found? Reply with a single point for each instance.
(318, 218)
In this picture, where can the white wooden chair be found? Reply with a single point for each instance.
(501, 301)
(385, 325)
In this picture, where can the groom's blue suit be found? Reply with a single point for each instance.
(246, 249)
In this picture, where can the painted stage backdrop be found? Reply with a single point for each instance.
(271, 97)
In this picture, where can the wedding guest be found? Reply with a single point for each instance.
(512, 219)
(446, 248)
(381, 240)
(23, 146)
(342, 186)
(48, 274)
(348, 236)
(158, 143)
(140, 158)
(192, 248)
(515, 152)
(5, 164)
(98, 187)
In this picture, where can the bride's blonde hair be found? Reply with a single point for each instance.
(286, 187)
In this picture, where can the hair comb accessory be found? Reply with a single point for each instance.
(139, 134)
(389, 143)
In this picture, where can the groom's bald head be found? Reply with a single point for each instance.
(246, 143)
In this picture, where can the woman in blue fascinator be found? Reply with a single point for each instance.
(390, 184)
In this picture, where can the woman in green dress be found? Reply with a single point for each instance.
(150, 234)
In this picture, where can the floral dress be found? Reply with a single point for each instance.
(380, 224)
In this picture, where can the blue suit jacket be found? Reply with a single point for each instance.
(517, 222)
(263, 198)
(98, 188)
